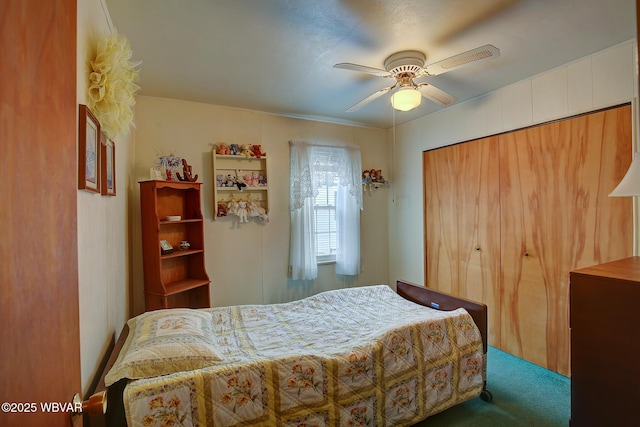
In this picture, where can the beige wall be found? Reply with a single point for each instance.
(601, 80)
(103, 256)
(247, 263)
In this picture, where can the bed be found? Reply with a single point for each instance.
(358, 356)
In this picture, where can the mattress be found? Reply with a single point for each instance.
(357, 356)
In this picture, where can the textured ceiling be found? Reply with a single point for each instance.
(277, 56)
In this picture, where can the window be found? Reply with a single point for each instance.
(325, 203)
(326, 233)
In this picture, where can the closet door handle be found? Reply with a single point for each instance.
(478, 248)
(526, 254)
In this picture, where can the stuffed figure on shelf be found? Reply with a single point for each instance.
(240, 183)
(257, 151)
(246, 151)
(222, 148)
(254, 179)
(230, 181)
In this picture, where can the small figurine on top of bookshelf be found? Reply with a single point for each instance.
(186, 172)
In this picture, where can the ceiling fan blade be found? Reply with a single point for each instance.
(436, 95)
(471, 56)
(369, 98)
(363, 68)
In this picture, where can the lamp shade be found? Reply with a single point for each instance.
(630, 184)
(405, 99)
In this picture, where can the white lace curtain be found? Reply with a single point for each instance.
(310, 165)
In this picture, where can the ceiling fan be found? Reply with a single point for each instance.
(408, 65)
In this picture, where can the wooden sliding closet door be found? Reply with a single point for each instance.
(556, 217)
(507, 217)
(462, 223)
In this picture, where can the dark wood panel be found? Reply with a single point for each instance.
(442, 301)
(39, 264)
(605, 326)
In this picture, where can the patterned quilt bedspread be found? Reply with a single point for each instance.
(358, 356)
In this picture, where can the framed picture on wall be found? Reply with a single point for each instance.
(88, 151)
(108, 165)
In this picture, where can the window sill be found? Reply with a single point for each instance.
(326, 262)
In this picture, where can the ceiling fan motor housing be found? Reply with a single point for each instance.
(407, 61)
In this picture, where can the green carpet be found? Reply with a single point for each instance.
(524, 394)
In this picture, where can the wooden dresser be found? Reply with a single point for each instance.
(605, 344)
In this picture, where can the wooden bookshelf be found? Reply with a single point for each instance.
(179, 278)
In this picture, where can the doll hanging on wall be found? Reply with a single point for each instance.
(222, 210)
(232, 206)
(243, 212)
(255, 210)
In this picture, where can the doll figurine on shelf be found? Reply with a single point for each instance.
(379, 179)
(367, 181)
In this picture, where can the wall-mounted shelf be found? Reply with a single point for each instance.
(226, 170)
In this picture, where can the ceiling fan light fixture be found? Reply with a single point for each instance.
(405, 99)
(408, 65)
